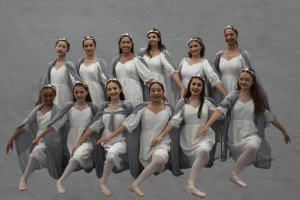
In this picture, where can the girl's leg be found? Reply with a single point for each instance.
(69, 169)
(109, 164)
(241, 163)
(29, 169)
(148, 171)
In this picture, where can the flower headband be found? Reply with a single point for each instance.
(64, 39)
(112, 79)
(194, 39)
(126, 34)
(248, 70)
(88, 38)
(153, 31)
(231, 27)
(81, 83)
(199, 76)
(154, 81)
(49, 86)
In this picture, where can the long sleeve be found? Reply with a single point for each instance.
(177, 119)
(210, 74)
(97, 125)
(132, 121)
(144, 73)
(60, 122)
(168, 67)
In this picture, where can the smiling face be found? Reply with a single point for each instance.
(48, 96)
(195, 48)
(196, 87)
(80, 93)
(156, 92)
(245, 80)
(125, 44)
(153, 39)
(89, 47)
(113, 90)
(61, 48)
(230, 36)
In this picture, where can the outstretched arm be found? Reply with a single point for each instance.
(221, 88)
(84, 137)
(216, 115)
(166, 130)
(178, 82)
(37, 139)
(10, 143)
(277, 124)
(119, 130)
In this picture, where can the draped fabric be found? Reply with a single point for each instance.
(53, 142)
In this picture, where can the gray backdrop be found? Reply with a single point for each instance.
(268, 30)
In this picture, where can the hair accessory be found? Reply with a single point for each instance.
(49, 86)
(199, 76)
(194, 39)
(248, 70)
(153, 31)
(65, 40)
(81, 83)
(113, 79)
(231, 27)
(88, 38)
(126, 34)
(154, 81)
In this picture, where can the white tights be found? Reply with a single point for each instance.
(29, 169)
(244, 159)
(198, 165)
(109, 165)
(69, 169)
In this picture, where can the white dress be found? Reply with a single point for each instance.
(230, 70)
(79, 121)
(242, 131)
(60, 79)
(129, 74)
(203, 69)
(157, 64)
(191, 146)
(92, 75)
(39, 151)
(117, 145)
(152, 126)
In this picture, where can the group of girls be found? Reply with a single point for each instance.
(91, 117)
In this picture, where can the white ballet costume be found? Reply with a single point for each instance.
(152, 126)
(92, 75)
(242, 131)
(79, 121)
(230, 71)
(203, 69)
(157, 64)
(192, 146)
(129, 74)
(60, 79)
(117, 145)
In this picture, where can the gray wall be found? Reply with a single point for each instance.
(268, 30)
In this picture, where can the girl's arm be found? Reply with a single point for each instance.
(166, 130)
(221, 88)
(178, 82)
(37, 139)
(216, 115)
(37, 101)
(119, 130)
(13, 137)
(277, 124)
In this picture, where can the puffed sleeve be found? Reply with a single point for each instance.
(26, 126)
(168, 67)
(269, 117)
(177, 119)
(97, 125)
(60, 122)
(133, 120)
(104, 79)
(212, 108)
(223, 110)
(144, 73)
(211, 74)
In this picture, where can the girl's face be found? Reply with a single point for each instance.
(156, 92)
(195, 48)
(245, 80)
(89, 47)
(80, 93)
(230, 36)
(48, 96)
(153, 39)
(61, 48)
(196, 87)
(125, 44)
(113, 90)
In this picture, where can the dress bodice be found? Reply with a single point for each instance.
(154, 64)
(154, 122)
(80, 119)
(60, 76)
(91, 73)
(127, 70)
(243, 111)
(43, 120)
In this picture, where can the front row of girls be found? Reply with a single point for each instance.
(107, 136)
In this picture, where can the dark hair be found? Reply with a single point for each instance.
(160, 45)
(120, 50)
(122, 95)
(188, 94)
(48, 87)
(88, 96)
(88, 38)
(66, 41)
(153, 82)
(201, 44)
(235, 30)
(259, 102)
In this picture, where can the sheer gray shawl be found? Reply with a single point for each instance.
(104, 69)
(114, 63)
(53, 142)
(263, 157)
(99, 151)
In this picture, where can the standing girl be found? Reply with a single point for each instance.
(250, 114)
(131, 70)
(48, 151)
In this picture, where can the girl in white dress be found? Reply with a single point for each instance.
(40, 116)
(159, 61)
(116, 146)
(131, 70)
(79, 113)
(246, 131)
(93, 71)
(153, 117)
(195, 63)
(194, 110)
(61, 74)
